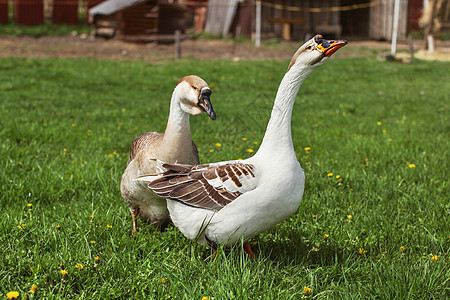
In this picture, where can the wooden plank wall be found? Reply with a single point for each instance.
(381, 20)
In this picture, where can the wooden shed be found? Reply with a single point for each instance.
(139, 20)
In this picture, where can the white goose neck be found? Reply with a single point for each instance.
(178, 129)
(278, 138)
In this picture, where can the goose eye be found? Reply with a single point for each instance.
(309, 48)
(194, 87)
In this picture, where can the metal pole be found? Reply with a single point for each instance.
(395, 27)
(258, 25)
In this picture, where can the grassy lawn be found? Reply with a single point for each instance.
(373, 223)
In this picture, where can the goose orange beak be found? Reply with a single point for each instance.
(328, 47)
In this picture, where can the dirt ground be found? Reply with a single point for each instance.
(86, 46)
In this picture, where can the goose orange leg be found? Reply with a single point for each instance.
(248, 249)
(134, 214)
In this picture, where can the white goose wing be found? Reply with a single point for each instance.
(209, 186)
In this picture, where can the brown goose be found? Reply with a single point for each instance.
(191, 96)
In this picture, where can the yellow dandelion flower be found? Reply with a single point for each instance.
(64, 273)
(379, 123)
(250, 150)
(33, 289)
(89, 131)
(384, 130)
(97, 258)
(79, 266)
(65, 150)
(307, 148)
(30, 205)
(307, 291)
(244, 139)
(58, 227)
(326, 236)
(434, 257)
(330, 175)
(61, 266)
(93, 242)
(390, 140)
(412, 166)
(218, 144)
(349, 217)
(255, 143)
(115, 153)
(110, 155)
(21, 226)
(338, 176)
(109, 226)
(442, 108)
(205, 298)
(361, 251)
(316, 125)
(402, 249)
(239, 159)
(12, 295)
(73, 125)
(164, 280)
(211, 150)
(92, 217)
(314, 216)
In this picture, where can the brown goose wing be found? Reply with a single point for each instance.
(209, 186)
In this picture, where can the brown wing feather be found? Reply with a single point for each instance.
(200, 186)
(142, 141)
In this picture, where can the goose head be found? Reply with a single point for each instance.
(193, 93)
(315, 52)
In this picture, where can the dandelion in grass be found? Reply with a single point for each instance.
(390, 140)
(250, 150)
(434, 257)
(307, 291)
(205, 298)
(30, 206)
(97, 258)
(316, 125)
(79, 266)
(93, 242)
(326, 236)
(307, 149)
(314, 216)
(350, 217)
(164, 280)
(379, 123)
(33, 289)
(411, 166)
(362, 251)
(64, 273)
(244, 139)
(12, 295)
(21, 226)
(255, 143)
(62, 266)
(218, 144)
(402, 249)
(73, 125)
(109, 226)
(58, 227)
(211, 150)
(330, 175)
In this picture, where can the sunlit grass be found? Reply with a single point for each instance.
(372, 137)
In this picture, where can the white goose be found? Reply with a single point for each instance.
(220, 203)
(190, 96)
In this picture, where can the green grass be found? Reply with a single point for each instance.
(46, 29)
(65, 129)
